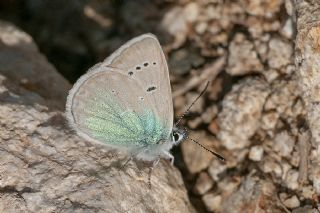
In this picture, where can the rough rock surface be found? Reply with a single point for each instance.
(45, 167)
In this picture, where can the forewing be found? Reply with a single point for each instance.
(109, 107)
(143, 60)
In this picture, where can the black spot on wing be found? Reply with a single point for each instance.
(130, 73)
(151, 88)
(138, 68)
(146, 64)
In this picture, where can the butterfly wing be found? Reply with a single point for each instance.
(109, 107)
(143, 60)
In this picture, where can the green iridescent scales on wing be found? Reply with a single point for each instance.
(111, 123)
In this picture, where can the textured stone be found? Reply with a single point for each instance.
(22, 63)
(292, 202)
(212, 202)
(265, 8)
(243, 58)
(203, 183)
(254, 195)
(256, 153)
(241, 112)
(280, 53)
(216, 168)
(307, 60)
(292, 177)
(284, 143)
(195, 157)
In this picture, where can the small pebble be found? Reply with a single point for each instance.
(203, 183)
(212, 201)
(256, 153)
(292, 202)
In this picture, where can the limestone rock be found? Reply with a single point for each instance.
(23, 64)
(253, 195)
(243, 58)
(241, 112)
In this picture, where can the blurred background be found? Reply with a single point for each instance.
(251, 112)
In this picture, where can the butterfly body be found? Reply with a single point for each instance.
(125, 102)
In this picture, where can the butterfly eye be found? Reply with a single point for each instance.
(176, 136)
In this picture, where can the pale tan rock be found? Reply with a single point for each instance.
(284, 143)
(252, 191)
(292, 202)
(265, 8)
(287, 29)
(241, 113)
(203, 183)
(22, 63)
(292, 177)
(216, 168)
(212, 202)
(196, 158)
(269, 120)
(271, 166)
(256, 153)
(243, 58)
(280, 53)
(307, 61)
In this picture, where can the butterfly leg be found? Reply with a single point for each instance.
(170, 156)
(151, 169)
(126, 163)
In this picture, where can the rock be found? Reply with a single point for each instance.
(280, 53)
(287, 29)
(216, 168)
(194, 123)
(271, 166)
(315, 176)
(306, 209)
(283, 98)
(175, 23)
(23, 64)
(264, 8)
(212, 202)
(241, 112)
(209, 114)
(269, 121)
(191, 12)
(292, 202)
(254, 195)
(203, 183)
(243, 58)
(292, 178)
(45, 167)
(229, 185)
(284, 143)
(307, 61)
(196, 158)
(201, 27)
(271, 75)
(183, 60)
(213, 127)
(308, 192)
(256, 153)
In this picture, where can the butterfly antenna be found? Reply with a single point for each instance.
(191, 105)
(212, 152)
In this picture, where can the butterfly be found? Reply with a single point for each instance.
(125, 102)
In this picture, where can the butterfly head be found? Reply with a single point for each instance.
(178, 135)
